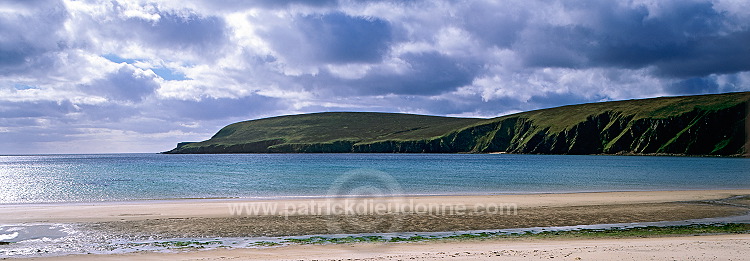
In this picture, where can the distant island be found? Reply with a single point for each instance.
(685, 125)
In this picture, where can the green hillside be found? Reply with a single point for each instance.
(560, 118)
(689, 125)
(330, 128)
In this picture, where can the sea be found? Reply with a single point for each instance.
(127, 177)
(29, 180)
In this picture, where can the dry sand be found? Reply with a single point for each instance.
(164, 209)
(717, 247)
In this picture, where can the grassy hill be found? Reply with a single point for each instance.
(563, 117)
(689, 125)
(327, 129)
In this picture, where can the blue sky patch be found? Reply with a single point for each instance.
(118, 59)
(168, 74)
(24, 87)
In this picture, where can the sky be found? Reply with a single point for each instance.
(139, 76)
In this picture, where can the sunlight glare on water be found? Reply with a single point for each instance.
(117, 177)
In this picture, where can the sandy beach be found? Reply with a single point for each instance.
(218, 208)
(716, 247)
(220, 218)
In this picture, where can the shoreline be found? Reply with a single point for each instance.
(132, 223)
(314, 197)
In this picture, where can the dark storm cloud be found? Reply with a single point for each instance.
(552, 99)
(686, 39)
(724, 54)
(333, 38)
(340, 38)
(218, 108)
(555, 46)
(474, 106)
(498, 28)
(29, 33)
(429, 74)
(693, 86)
(172, 30)
(126, 84)
(35, 109)
(236, 4)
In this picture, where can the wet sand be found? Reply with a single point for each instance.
(320, 224)
(215, 218)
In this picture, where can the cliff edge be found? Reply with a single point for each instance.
(685, 125)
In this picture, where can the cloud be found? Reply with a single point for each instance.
(101, 75)
(146, 31)
(212, 108)
(35, 109)
(427, 74)
(172, 30)
(125, 84)
(264, 4)
(693, 86)
(331, 38)
(500, 29)
(725, 54)
(679, 39)
(28, 31)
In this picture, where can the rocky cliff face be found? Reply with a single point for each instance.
(698, 132)
(695, 132)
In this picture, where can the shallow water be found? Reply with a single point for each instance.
(119, 177)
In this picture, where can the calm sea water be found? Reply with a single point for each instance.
(117, 177)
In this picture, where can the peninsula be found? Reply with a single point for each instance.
(684, 125)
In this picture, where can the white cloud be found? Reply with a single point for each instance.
(140, 75)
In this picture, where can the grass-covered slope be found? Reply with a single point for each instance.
(689, 125)
(323, 132)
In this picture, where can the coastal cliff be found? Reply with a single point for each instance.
(685, 125)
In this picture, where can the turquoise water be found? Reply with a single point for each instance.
(117, 177)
